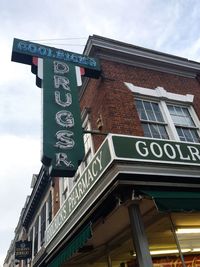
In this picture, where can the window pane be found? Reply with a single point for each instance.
(149, 111)
(180, 116)
(163, 132)
(178, 111)
(180, 133)
(157, 112)
(171, 109)
(140, 109)
(195, 135)
(188, 135)
(146, 130)
(186, 112)
(155, 131)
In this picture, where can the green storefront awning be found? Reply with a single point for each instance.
(174, 201)
(72, 247)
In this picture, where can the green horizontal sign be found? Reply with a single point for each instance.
(153, 150)
(87, 180)
(23, 51)
(123, 148)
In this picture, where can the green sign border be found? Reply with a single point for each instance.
(85, 183)
(155, 150)
(114, 148)
(52, 145)
(23, 52)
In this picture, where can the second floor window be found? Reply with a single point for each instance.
(184, 124)
(152, 120)
(163, 120)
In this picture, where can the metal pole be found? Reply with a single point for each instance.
(139, 236)
(176, 240)
(109, 261)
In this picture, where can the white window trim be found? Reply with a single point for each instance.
(160, 93)
(170, 127)
(33, 243)
(39, 232)
(87, 122)
(47, 212)
(163, 97)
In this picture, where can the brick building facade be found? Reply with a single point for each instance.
(122, 209)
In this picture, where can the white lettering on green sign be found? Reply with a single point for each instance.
(87, 180)
(64, 118)
(156, 150)
(169, 150)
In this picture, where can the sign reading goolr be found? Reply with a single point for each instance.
(152, 150)
(23, 52)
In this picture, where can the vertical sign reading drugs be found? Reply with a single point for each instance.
(62, 147)
(55, 69)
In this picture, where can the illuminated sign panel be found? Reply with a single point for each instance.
(24, 51)
(63, 148)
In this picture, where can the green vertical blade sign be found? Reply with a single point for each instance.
(62, 143)
(62, 130)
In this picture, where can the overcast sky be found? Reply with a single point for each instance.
(170, 26)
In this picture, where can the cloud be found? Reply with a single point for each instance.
(20, 108)
(20, 159)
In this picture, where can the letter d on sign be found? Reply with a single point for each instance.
(60, 67)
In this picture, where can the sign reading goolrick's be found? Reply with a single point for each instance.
(155, 150)
(56, 71)
(24, 51)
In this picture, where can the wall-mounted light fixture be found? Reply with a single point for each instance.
(99, 122)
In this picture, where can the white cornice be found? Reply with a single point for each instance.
(159, 92)
(140, 57)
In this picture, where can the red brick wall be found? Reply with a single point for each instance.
(110, 98)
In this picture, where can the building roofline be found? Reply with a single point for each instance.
(105, 48)
(38, 189)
